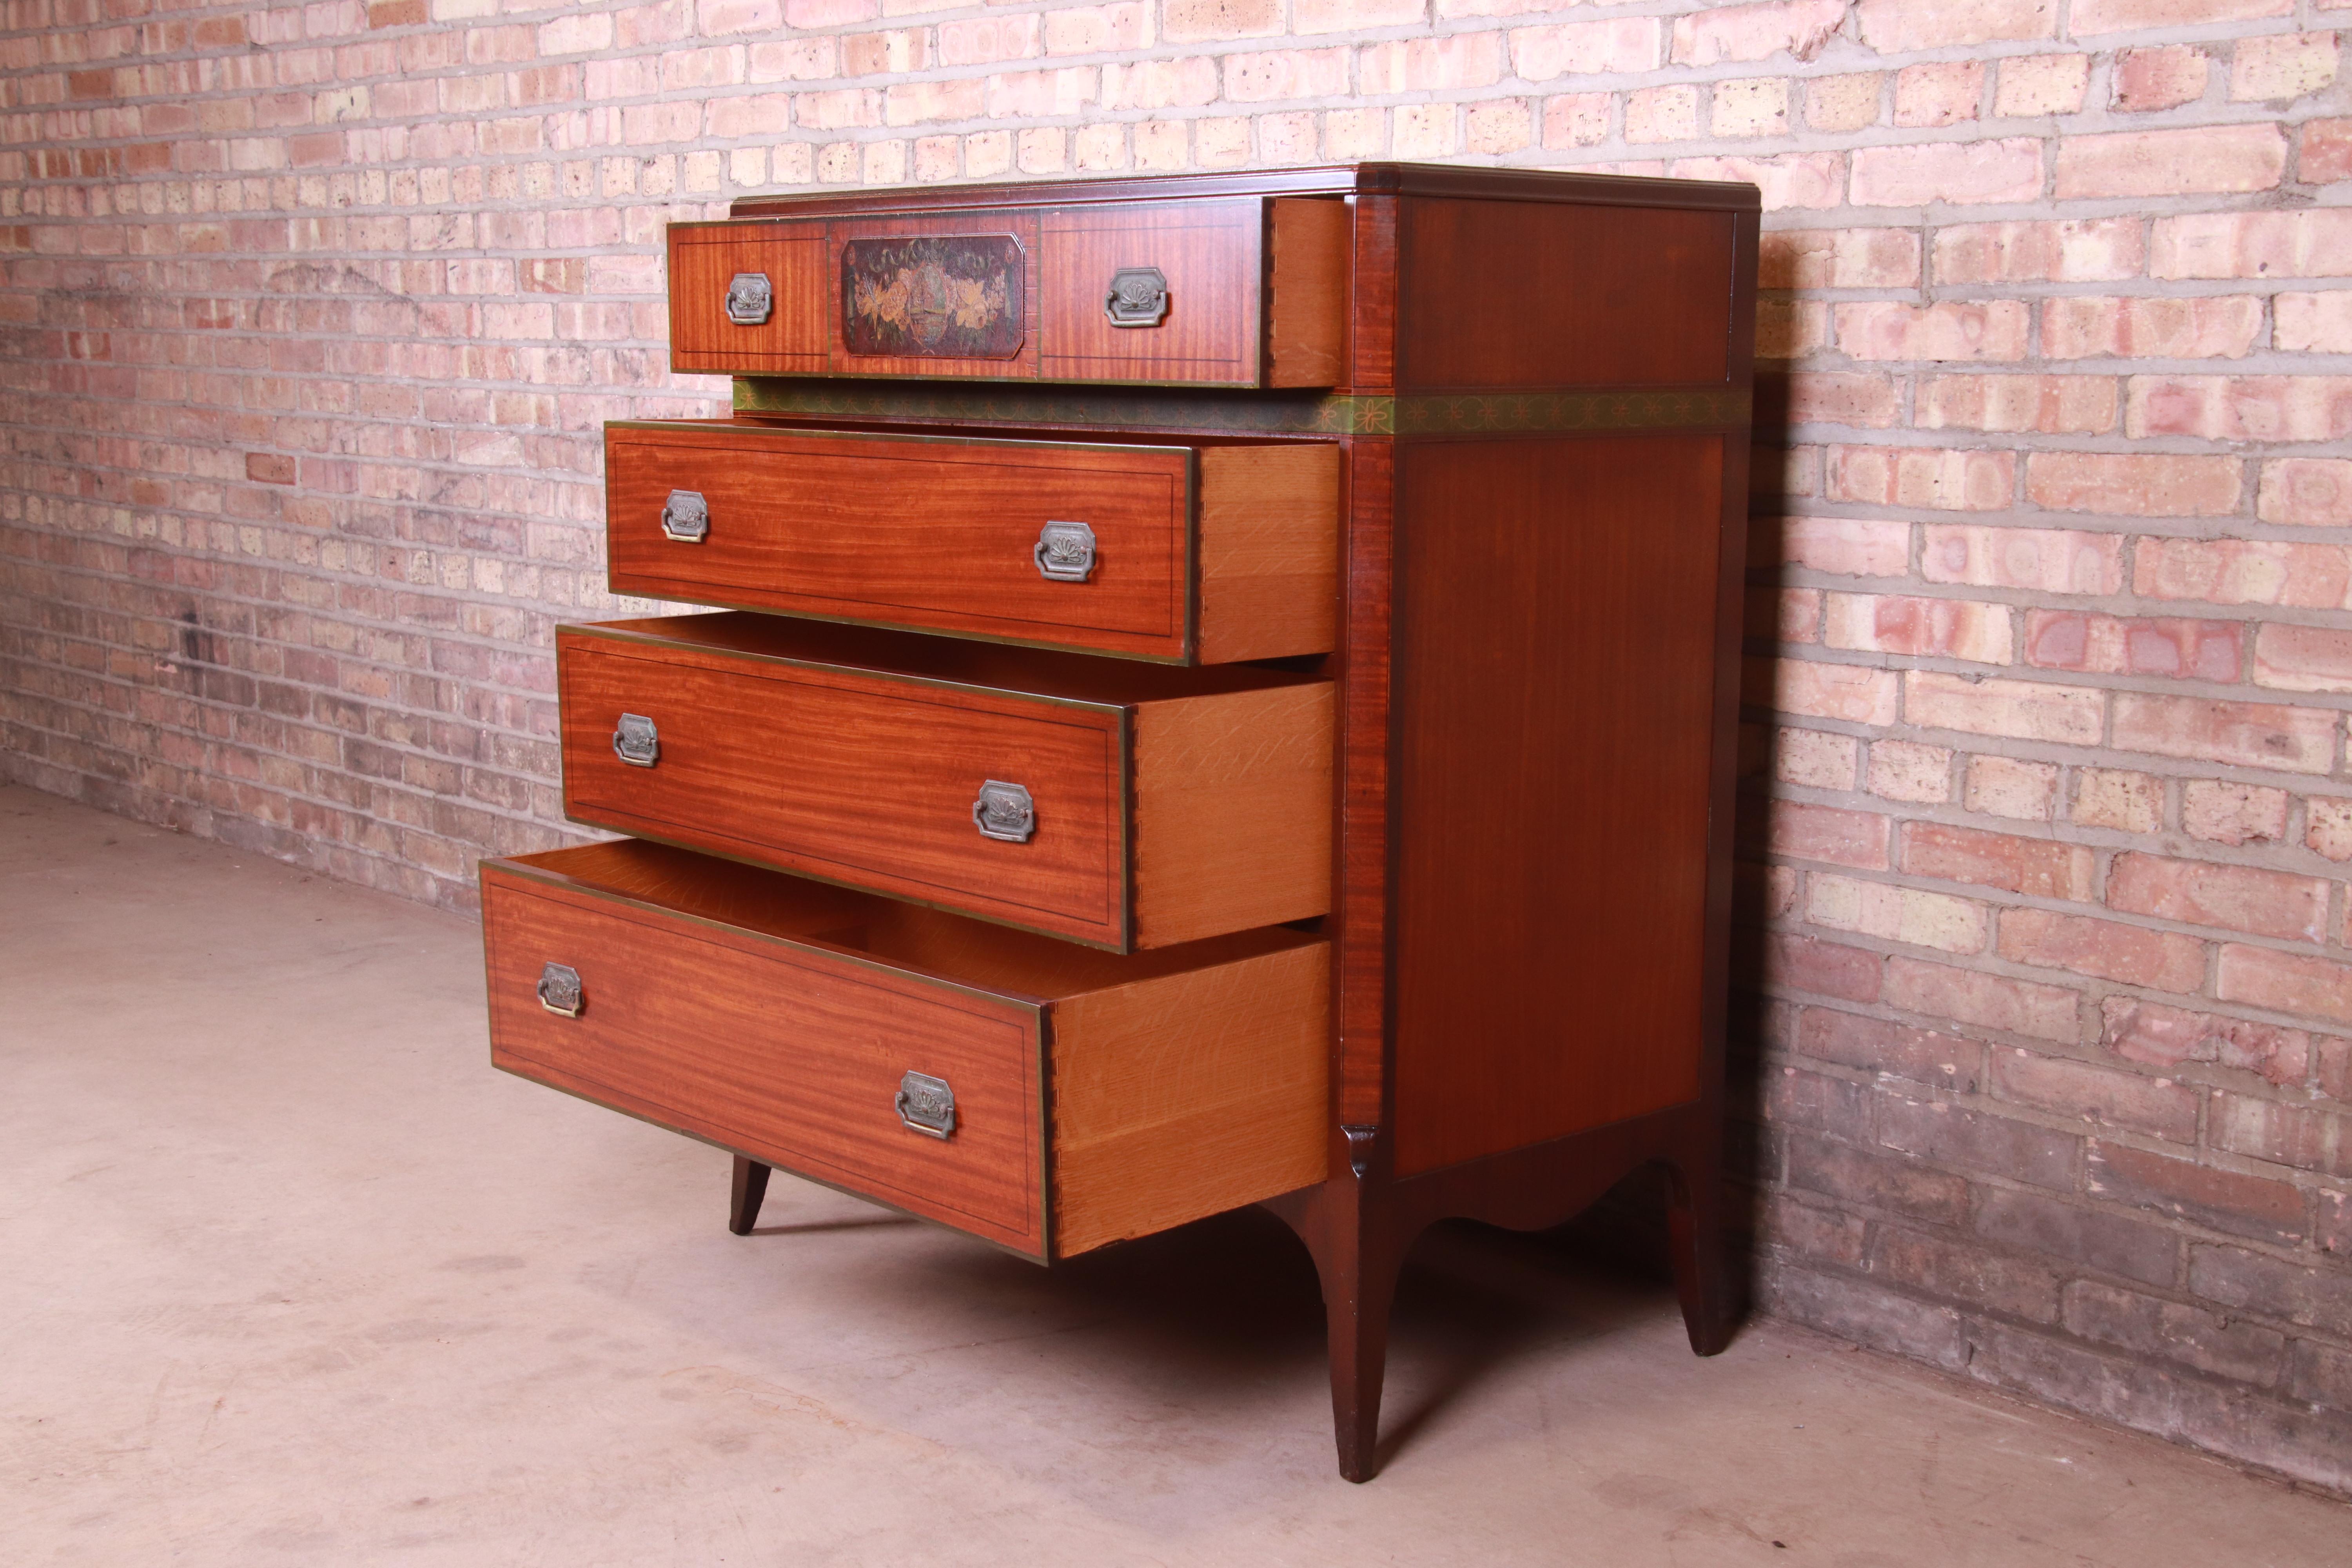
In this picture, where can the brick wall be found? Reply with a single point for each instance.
(310, 317)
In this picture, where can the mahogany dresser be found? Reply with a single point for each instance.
(1223, 695)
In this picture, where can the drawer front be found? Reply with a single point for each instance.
(940, 533)
(791, 1056)
(1230, 291)
(772, 323)
(863, 779)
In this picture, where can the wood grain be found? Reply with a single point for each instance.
(1269, 551)
(1209, 253)
(940, 533)
(1553, 785)
(704, 260)
(1495, 294)
(1306, 313)
(1186, 1082)
(787, 1055)
(845, 753)
(1233, 824)
(1187, 1095)
(1360, 894)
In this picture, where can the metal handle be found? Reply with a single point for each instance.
(686, 517)
(1065, 552)
(1004, 811)
(1137, 298)
(558, 990)
(636, 741)
(749, 297)
(927, 1105)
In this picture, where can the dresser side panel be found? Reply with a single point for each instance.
(1557, 621)
(1501, 294)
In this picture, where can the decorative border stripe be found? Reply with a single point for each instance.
(1672, 408)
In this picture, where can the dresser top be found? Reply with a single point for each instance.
(1344, 179)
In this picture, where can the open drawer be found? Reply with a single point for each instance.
(1042, 1096)
(1217, 292)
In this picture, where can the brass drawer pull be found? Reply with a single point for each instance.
(1137, 298)
(927, 1105)
(1065, 552)
(558, 990)
(1004, 811)
(686, 517)
(636, 741)
(749, 297)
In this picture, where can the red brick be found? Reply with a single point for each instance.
(2236, 1349)
(2011, 787)
(1834, 397)
(1901, 1187)
(2134, 955)
(2244, 572)
(2314, 323)
(2046, 560)
(1856, 693)
(1955, 171)
(1963, 1271)
(2240, 408)
(2017, 1150)
(2109, 645)
(2280, 68)
(1785, 614)
(2223, 812)
(2336, 1069)
(2303, 658)
(1838, 259)
(1986, 1001)
(1805, 964)
(1787, 1226)
(1944, 92)
(2071, 404)
(1785, 180)
(1796, 27)
(2244, 734)
(1814, 758)
(2095, 326)
(2133, 484)
(1905, 770)
(1945, 478)
(1586, 49)
(2272, 1287)
(2147, 1032)
(2023, 709)
(2216, 158)
(1899, 26)
(2286, 983)
(1840, 546)
(2159, 1107)
(2219, 1200)
(1895, 913)
(2315, 243)
(1842, 837)
(2159, 78)
(1953, 628)
(1948, 1062)
(2307, 1139)
(2041, 84)
(2036, 866)
(2310, 492)
(2231, 898)
(2091, 16)
(2324, 152)
(2117, 798)
(2329, 829)
(270, 468)
(1968, 330)
(2071, 250)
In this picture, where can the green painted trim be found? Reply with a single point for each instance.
(1338, 414)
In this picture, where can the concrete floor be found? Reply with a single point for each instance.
(288, 1274)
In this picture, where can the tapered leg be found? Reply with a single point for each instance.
(751, 1191)
(1357, 1257)
(1695, 1227)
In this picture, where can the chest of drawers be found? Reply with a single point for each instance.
(1224, 694)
